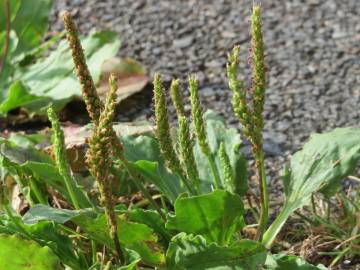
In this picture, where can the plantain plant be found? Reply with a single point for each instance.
(199, 219)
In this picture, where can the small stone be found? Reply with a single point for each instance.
(183, 42)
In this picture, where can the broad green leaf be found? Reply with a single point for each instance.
(20, 155)
(42, 212)
(152, 219)
(19, 254)
(321, 165)
(217, 132)
(31, 23)
(49, 234)
(287, 262)
(135, 236)
(165, 181)
(20, 95)
(144, 154)
(50, 81)
(39, 224)
(131, 266)
(216, 216)
(193, 252)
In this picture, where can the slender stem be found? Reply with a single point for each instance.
(264, 213)
(339, 256)
(7, 37)
(217, 182)
(163, 204)
(187, 184)
(93, 252)
(69, 183)
(34, 187)
(313, 204)
(139, 185)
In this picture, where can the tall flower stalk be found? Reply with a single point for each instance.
(100, 160)
(200, 128)
(252, 118)
(60, 157)
(162, 131)
(92, 100)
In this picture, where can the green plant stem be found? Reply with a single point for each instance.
(93, 252)
(264, 213)
(163, 204)
(271, 233)
(187, 184)
(339, 256)
(313, 205)
(140, 186)
(214, 170)
(70, 188)
(34, 187)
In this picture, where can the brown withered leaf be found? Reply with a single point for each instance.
(131, 76)
(76, 140)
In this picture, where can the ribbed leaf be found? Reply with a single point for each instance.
(192, 252)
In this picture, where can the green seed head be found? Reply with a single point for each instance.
(59, 144)
(186, 151)
(92, 100)
(258, 69)
(226, 168)
(177, 98)
(239, 99)
(197, 116)
(162, 126)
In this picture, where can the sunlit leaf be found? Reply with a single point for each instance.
(193, 252)
(20, 254)
(216, 215)
(287, 262)
(321, 165)
(51, 80)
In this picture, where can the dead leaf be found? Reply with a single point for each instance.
(76, 140)
(131, 76)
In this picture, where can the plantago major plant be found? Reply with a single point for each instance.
(198, 174)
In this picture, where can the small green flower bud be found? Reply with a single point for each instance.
(177, 98)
